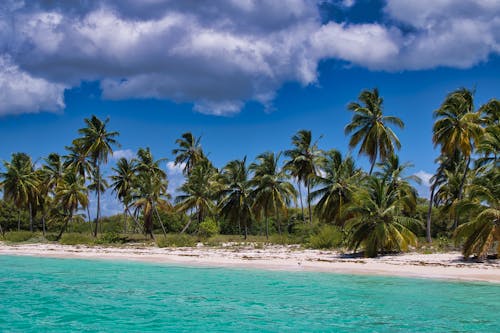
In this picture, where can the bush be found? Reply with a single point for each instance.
(19, 236)
(281, 239)
(208, 228)
(176, 240)
(328, 237)
(76, 239)
(110, 238)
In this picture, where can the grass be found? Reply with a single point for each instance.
(176, 240)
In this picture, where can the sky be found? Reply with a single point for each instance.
(245, 75)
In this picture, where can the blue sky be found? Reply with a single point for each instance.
(244, 75)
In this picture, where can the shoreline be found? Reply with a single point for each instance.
(440, 266)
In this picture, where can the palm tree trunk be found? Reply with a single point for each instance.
(1, 230)
(98, 215)
(159, 220)
(18, 220)
(309, 202)
(31, 217)
(460, 192)
(371, 168)
(63, 229)
(301, 203)
(267, 226)
(429, 215)
(137, 224)
(125, 220)
(277, 218)
(43, 225)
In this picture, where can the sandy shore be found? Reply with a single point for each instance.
(436, 266)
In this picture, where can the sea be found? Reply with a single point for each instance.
(75, 295)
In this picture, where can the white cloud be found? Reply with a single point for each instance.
(124, 153)
(175, 177)
(425, 176)
(20, 92)
(220, 55)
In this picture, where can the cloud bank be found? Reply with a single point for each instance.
(220, 54)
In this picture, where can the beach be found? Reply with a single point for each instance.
(448, 266)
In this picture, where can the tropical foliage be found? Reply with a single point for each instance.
(375, 211)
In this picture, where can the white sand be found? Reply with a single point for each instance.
(436, 266)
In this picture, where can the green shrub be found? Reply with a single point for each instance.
(328, 237)
(110, 238)
(76, 239)
(19, 236)
(208, 228)
(176, 240)
(282, 239)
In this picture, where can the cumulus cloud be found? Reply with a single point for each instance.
(220, 54)
(20, 92)
(123, 153)
(175, 177)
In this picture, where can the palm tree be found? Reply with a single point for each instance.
(189, 152)
(484, 203)
(392, 172)
(96, 143)
(303, 163)
(20, 184)
(71, 194)
(236, 203)
(150, 189)
(272, 190)
(458, 129)
(123, 182)
(337, 184)
(198, 191)
(377, 222)
(369, 128)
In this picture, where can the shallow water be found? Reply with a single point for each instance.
(67, 295)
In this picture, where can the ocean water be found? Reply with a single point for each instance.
(68, 295)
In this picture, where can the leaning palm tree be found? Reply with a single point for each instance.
(198, 192)
(480, 234)
(303, 163)
(96, 143)
(336, 187)
(122, 184)
(458, 129)
(150, 189)
(71, 194)
(272, 190)
(189, 152)
(378, 223)
(236, 203)
(369, 128)
(20, 184)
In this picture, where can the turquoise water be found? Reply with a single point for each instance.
(66, 295)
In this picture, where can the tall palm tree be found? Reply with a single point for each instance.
(198, 191)
(272, 190)
(122, 184)
(236, 203)
(150, 189)
(97, 144)
(189, 152)
(20, 184)
(71, 194)
(458, 129)
(303, 163)
(377, 222)
(370, 130)
(337, 184)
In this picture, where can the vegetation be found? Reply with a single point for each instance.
(375, 211)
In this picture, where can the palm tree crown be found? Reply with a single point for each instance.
(370, 130)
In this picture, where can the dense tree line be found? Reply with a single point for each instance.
(376, 211)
